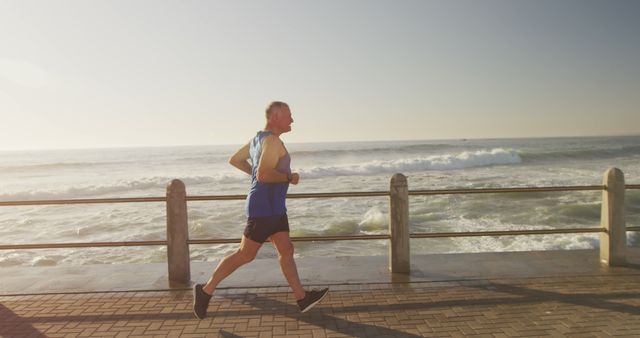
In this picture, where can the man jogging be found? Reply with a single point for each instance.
(266, 210)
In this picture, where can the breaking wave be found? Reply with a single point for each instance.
(144, 186)
(462, 160)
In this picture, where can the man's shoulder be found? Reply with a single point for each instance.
(272, 140)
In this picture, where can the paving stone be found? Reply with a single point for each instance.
(547, 306)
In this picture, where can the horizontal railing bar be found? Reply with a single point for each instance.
(295, 239)
(506, 233)
(312, 238)
(633, 228)
(191, 241)
(312, 195)
(340, 238)
(85, 201)
(340, 194)
(214, 241)
(189, 198)
(411, 192)
(79, 245)
(503, 190)
(301, 195)
(217, 198)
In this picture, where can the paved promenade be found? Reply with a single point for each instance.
(597, 303)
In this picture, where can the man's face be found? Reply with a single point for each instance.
(283, 119)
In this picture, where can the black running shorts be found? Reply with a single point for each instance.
(260, 228)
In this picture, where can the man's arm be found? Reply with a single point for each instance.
(239, 159)
(272, 149)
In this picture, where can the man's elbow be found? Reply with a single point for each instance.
(234, 162)
(262, 177)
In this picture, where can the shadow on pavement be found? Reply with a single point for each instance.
(13, 325)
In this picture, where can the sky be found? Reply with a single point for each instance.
(85, 74)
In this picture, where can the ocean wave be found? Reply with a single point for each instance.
(528, 152)
(467, 159)
(355, 151)
(43, 167)
(144, 186)
(101, 165)
(580, 154)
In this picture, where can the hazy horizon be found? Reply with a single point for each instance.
(320, 142)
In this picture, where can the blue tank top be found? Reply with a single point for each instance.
(266, 199)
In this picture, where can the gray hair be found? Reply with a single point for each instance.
(273, 106)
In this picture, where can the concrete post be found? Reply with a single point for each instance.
(613, 242)
(399, 253)
(177, 234)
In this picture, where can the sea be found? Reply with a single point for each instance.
(323, 167)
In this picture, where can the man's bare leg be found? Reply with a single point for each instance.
(283, 244)
(247, 252)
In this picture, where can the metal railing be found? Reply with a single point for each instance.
(398, 194)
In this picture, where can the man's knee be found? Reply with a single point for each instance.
(246, 256)
(286, 250)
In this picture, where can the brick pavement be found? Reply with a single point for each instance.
(580, 306)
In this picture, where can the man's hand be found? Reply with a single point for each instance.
(295, 178)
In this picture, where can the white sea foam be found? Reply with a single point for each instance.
(150, 185)
(374, 221)
(463, 160)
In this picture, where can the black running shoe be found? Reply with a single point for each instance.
(312, 298)
(200, 301)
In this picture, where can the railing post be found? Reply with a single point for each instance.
(613, 242)
(177, 233)
(399, 253)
